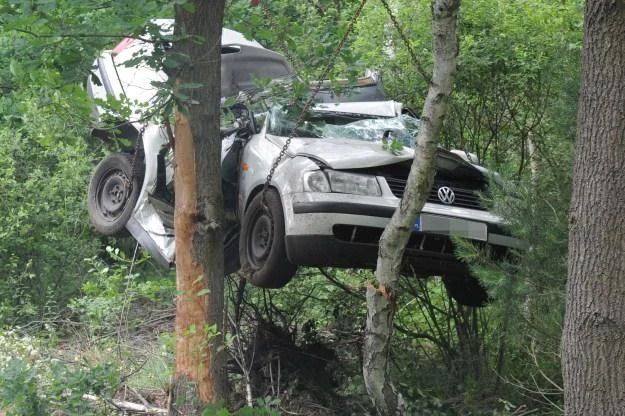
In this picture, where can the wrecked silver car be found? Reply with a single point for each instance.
(328, 201)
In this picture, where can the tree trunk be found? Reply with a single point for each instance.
(593, 342)
(199, 373)
(381, 299)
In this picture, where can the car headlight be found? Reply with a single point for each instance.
(316, 181)
(341, 182)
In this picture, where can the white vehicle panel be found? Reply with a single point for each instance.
(377, 108)
(333, 152)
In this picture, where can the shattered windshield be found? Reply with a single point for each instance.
(334, 125)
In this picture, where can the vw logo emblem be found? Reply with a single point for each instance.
(446, 195)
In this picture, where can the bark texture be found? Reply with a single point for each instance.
(199, 373)
(593, 343)
(381, 299)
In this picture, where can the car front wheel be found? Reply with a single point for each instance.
(466, 290)
(262, 247)
(113, 193)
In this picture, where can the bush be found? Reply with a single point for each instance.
(110, 289)
(33, 384)
(45, 233)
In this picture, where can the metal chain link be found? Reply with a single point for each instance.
(133, 163)
(272, 24)
(138, 149)
(322, 76)
(403, 37)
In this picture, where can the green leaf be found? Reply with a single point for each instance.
(230, 101)
(15, 68)
(188, 7)
(191, 85)
(191, 330)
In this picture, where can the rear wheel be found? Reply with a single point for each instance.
(262, 248)
(466, 290)
(231, 250)
(113, 193)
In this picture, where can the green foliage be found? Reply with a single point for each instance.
(46, 51)
(305, 337)
(518, 71)
(517, 82)
(528, 286)
(110, 289)
(382, 48)
(514, 105)
(156, 370)
(44, 233)
(308, 32)
(267, 406)
(518, 64)
(394, 146)
(34, 384)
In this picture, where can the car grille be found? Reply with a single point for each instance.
(466, 198)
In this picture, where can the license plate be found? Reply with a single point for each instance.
(437, 224)
(417, 224)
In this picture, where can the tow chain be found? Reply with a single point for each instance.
(404, 38)
(324, 75)
(138, 144)
(285, 51)
(307, 104)
(133, 163)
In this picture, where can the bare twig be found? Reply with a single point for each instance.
(138, 396)
(237, 353)
(524, 411)
(339, 284)
(134, 407)
(84, 35)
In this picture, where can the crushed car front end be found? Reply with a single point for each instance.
(343, 184)
(342, 229)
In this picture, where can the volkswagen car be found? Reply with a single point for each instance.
(330, 197)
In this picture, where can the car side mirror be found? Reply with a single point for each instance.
(258, 120)
(411, 112)
(225, 132)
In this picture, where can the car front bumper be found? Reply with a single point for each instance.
(343, 230)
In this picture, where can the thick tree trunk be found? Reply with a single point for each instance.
(199, 374)
(381, 299)
(593, 343)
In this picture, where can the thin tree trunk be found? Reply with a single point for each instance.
(593, 342)
(381, 299)
(531, 155)
(199, 373)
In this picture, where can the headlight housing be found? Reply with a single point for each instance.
(341, 182)
(316, 181)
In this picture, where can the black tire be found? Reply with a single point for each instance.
(261, 247)
(112, 197)
(466, 290)
(231, 252)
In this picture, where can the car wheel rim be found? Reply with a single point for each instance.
(260, 241)
(113, 195)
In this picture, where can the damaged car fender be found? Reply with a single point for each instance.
(154, 140)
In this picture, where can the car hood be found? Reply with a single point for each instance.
(343, 153)
(359, 154)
